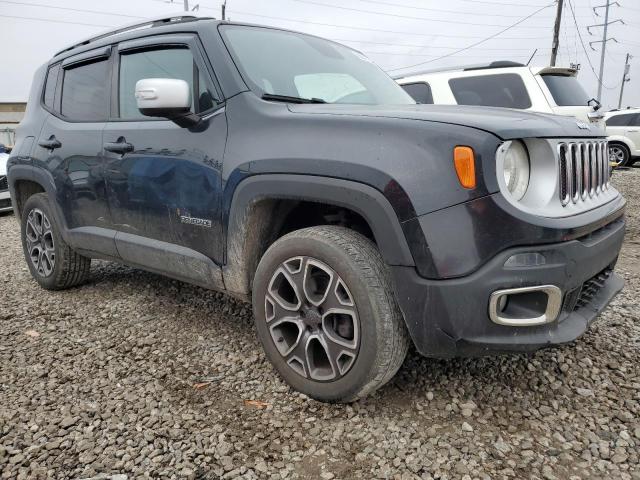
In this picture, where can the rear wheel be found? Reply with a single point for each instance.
(52, 263)
(619, 154)
(326, 313)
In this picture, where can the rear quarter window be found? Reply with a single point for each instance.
(48, 96)
(500, 90)
(419, 91)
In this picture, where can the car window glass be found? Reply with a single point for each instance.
(175, 63)
(566, 90)
(331, 87)
(50, 85)
(501, 90)
(85, 92)
(420, 91)
(635, 121)
(295, 64)
(619, 120)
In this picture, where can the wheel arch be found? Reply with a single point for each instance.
(619, 139)
(260, 203)
(25, 181)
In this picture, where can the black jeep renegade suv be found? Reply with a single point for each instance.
(289, 170)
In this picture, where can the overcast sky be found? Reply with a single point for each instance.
(394, 33)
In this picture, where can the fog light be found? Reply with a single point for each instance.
(525, 306)
(529, 259)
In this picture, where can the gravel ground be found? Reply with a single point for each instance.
(139, 375)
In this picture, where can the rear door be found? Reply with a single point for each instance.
(619, 125)
(164, 187)
(70, 146)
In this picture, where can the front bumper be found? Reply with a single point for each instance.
(448, 318)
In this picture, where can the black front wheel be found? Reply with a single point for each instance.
(326, 314)
(52, 263)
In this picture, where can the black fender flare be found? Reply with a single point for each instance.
(251, 193)
(43, 178)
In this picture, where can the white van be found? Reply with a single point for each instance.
(623, 133)
(507, 84)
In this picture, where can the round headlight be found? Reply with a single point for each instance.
(516, 168)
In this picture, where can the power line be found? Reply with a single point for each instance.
(397, 54)
(584, 48)
(429, 9)
(57, 21)
(349, 27)
(410, 17)
(425, 46)
(477, 43)
(502, 3)
(68, 9)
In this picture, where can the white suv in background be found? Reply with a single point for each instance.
(507, 84)
(623, 132)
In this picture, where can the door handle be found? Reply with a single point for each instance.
(121, 146)
(51, 143)
(632, 131)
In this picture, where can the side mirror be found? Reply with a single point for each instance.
(166, 97)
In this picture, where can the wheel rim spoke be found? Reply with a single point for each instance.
(312, 318)
(40, 242)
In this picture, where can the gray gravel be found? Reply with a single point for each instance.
(139, 375)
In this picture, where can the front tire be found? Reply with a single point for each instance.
(620, 154)
(52, 263)
(326, 314)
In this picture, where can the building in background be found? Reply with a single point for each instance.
(11, 115)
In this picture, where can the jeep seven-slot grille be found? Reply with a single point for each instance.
(4, 185)
(584, 170)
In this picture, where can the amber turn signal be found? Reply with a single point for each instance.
(465, 164)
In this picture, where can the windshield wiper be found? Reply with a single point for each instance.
(287, 98)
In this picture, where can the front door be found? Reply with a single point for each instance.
(164, 181)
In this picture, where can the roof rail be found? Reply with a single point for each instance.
(463, 68)
(152, 22)
(497, 64)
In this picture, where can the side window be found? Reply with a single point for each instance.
(419, 91)
(501, 90)
(177, 63)
(85, 92)
(620, 120)
(50, 86)
(635, 121)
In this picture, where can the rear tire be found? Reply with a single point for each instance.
(52, 263)
(326, 314)
(620, 154)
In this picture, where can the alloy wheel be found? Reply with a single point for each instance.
(40, 244)
(312, 319)
(616, 154)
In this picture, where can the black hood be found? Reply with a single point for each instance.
(506, 123)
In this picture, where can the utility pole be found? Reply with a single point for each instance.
(223, 7)
(556, 33)
(625, 78)
(604, 40)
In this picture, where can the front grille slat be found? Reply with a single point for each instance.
(583, 170)
(4, 185)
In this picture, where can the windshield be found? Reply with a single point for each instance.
(566, 90)
(297, 65)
